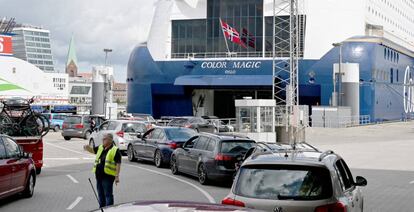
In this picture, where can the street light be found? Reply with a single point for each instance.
(339, 73)
(106, 54)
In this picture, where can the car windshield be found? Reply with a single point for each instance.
(145, 118)
(284, 183)
(133, 128)
(181, 134)
(73, 119)
(179, 121)
(236, 146)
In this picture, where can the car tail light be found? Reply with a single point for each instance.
(187, 126)
(336, 207)
(231, 201)
(64, 126)
(120, 134)
(78, 126)
(173, 145)
(221, 157)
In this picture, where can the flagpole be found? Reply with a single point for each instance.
(224, 35)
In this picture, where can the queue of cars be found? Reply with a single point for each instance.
(264, 176)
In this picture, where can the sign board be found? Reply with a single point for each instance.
(6, 45)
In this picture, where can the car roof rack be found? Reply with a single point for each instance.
(326, 153)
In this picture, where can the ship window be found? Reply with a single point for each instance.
(385, 53)
(392, 76)
(397, 75)
(188, 37)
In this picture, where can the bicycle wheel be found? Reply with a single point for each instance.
(33, 125)
(46, 124)
(6, 125)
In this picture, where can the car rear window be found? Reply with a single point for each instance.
(179, 121)
(284, 183)
(59, 117)
(181, 134)
(133, 128)
(236, 146)
(73, 119)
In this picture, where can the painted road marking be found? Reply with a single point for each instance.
(74, 203)
(67, 149)
(205, 193)
(72, 178)
(412, 182)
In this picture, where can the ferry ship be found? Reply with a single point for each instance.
(186, 68)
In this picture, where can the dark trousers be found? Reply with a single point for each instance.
(104, 185)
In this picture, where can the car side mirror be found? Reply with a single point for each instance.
(139, 135)
(361, 181)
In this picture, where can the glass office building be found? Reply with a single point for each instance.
(32, 44)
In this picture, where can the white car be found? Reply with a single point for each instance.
(123, 131)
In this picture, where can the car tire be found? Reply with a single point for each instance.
(38, 171)
(174, 166)
(92, 143)
(66, 138)
(131, 154)
(87, 135)
(202, 175)
(158, 160)
(29, 188)
(56, 128)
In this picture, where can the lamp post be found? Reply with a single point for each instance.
(106, 54)
(339, 74)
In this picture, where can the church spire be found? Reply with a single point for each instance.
(72, 61)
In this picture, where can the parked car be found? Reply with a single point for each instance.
(123, 131)
(210, 157)
(145, 117)
(78, 126)
(297, 180)
(55, 120)
(173, 206)
(197, 123)
(223, 126)
(158, 143)
(17, 169)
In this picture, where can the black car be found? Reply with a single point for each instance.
(158, 143)
(197, 123)
(210, 157)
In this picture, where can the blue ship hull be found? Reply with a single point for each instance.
(163, 88)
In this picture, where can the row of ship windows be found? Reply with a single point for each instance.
(398, 10)
(391, 55)
(40, 62)
(62, 80)
(391, 76)
(391, 21)
(46, 68)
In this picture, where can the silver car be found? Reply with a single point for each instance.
(123, 131)
(296, 180)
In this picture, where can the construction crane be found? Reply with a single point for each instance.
(287, 23)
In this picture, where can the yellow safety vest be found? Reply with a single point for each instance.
(110, 165)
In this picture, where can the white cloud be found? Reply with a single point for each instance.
(96, 24)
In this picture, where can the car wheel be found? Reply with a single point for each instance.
(131, 154)
(66, 138)
(92, 143)
(29, 189)
(174, 166)
(87, 135)
(158, 159)
(56, 128)
(38, 171)
(202, 175)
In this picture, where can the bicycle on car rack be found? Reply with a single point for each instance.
(18, 119)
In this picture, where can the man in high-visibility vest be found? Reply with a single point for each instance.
(106, 168)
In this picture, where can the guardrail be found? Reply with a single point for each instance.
(342, 121)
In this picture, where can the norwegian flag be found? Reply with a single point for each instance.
(231, 34)
(248, 38)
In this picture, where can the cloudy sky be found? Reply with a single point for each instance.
(96, 24)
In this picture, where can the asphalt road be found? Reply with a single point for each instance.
(63, 184)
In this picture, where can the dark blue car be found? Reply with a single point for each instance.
(158, 144)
